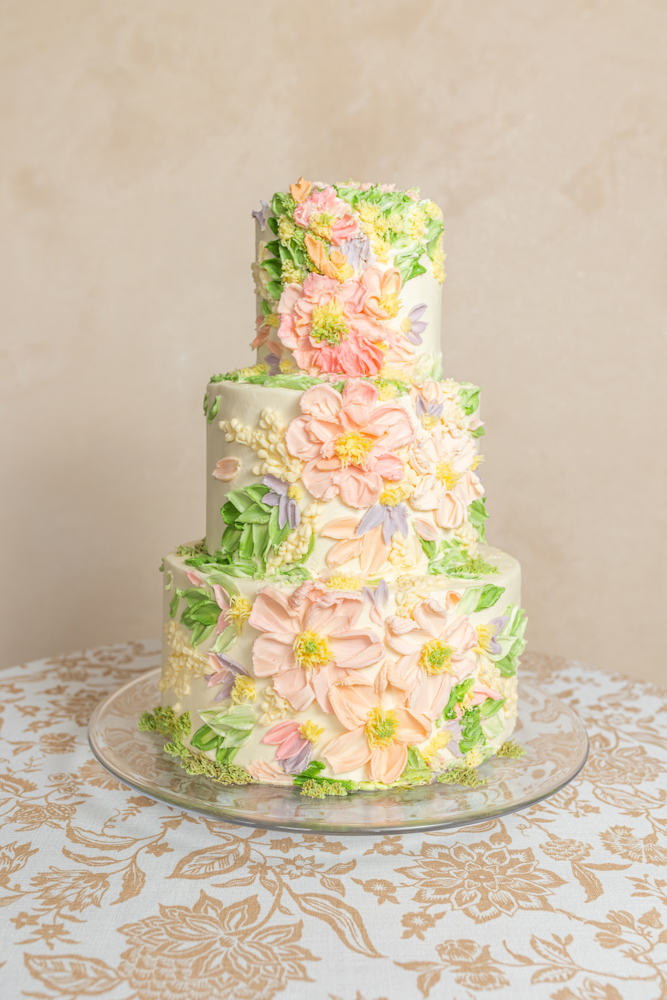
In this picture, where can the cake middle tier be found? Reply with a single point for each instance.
(369, 478)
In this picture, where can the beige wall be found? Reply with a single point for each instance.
(137, 137)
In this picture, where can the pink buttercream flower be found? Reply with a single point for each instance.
(347, 443)
(296, 742)
(309, 642)
(447, 482)
(324, 324)
(383, 288)
(380, 728)
(322, 201)
(433, 654)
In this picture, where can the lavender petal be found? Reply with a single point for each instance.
(419, 326)
(282, 511)
(278, 485)
(272, 499)
(414, 338)
(381, 594)
(373, 517)
(420, 406)
(389, 525)
(293, 514)
(262, 215)
(400, 519)
(417, 312)
(300, 760)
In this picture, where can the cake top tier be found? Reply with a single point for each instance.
(348, 281)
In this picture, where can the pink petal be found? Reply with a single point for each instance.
(195, 579)
(404, 635)
(299, 441)
(222, 623)
(281, 731)
(271, 612)
(221, 597)
(359, 488)
(322, 401)
(348, 751)
(290, 746)
(294, 687)
(389, 467)
(273, 653)
(425, 530)
(227, 469)
(321, 478)
(352, 699)
(356, 649)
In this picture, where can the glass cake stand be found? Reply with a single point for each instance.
(552, 735)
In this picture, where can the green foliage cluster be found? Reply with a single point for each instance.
(469, 398)
(511, 640)
(200, 615)
(416, 771)
(459, 774)
(510, 749)
(477, 515)
(166, 722)
(450, 558)
(315, 786)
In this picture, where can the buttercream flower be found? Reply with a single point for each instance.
(227, 469)
(320, 202)
(301, 190)
(296, 742)
(383, 286)
(370, 547)
(390, 517)
(332, 265)
(413, 325)
(323, 323)
(377, 599)
(309, 642)
(447, 483)
(486, 636)
(225, 672)
(262, 215)
(281, 495)
(379, 730)
(347, 443)
(433, 654)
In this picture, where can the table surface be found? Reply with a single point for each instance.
(108, 893)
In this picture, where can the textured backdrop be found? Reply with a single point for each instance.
(136, 140)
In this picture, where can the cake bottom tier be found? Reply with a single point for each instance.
(355, 685)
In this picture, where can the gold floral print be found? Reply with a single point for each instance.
(102, 887)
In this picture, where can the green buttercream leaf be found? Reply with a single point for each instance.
(275, 290)
(491, 707)
(215, 406)
(173, 604)
(274, 247)
(205, 403)
(469, 398)
(488, 597)
(456, 696)
(272, 266)
(282, 204)
(477, 515)
(272, 223)
(225, 640)
(478, 431)
(266, 308)
(408, 263)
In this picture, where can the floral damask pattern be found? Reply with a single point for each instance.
(108, 893)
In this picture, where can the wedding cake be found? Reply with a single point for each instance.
(343, 626)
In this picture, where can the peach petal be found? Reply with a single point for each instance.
(374, 551)
(272, 653)
(413, 727)
(321, 482)
(271, 612)
(352, 700)
(388, 763)
(356, 649)
(340, 527)
(301, 190)
(461, 634)
(294, 687)
(227, 469)
(451, 511)
(347, 751)
(322, 401)
(425, 530)
(431, 617)
(342, 551)
(359, 488)
(268, 772)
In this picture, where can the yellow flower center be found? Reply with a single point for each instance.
(406, 324)
(447, 474)
(273, 319)
(321, 225)
(436, 657)
(390, 304)
(286, 228)
(309, 731)
(437, 742)
(353, 448)
(339, 582)
(391, 495)
(294, 492)
(243, 690)
(239, 611)
(477, 460)
(429, 421)
(312, 650)
(485, 634)
(328, 324)
(285, 366)
(381, 728)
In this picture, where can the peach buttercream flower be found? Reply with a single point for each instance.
(322, 208)
(433, 654)
(447, 483)
(324, 324)
(309, 641)
(383, 286)
(347, 443)
(380, 728)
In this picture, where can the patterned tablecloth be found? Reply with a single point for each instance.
(107, 893)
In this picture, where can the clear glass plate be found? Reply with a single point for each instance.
(552, 735)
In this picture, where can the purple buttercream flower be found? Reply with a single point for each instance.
(288, 509)
(392, 519)
(494, 646)
(424, 409)
(413, 325)
(262, 216)
(377, 599)
(453, 726)
(225, 672)
(358, 252)
(273, 361)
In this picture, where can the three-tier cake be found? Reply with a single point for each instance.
(343, 626)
